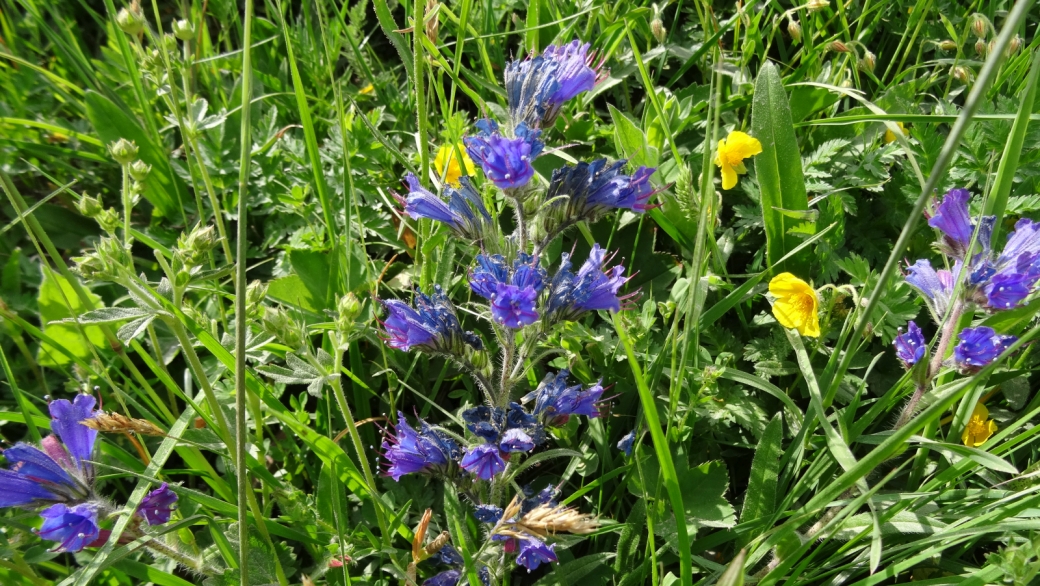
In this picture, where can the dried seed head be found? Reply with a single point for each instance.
(948, 45)
(838, 47)
(795, 30)
(117, 423)
(433, 25)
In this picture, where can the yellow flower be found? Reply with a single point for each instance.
(890, 136)
(447, 164)
(368, 89)
(979, 427)
(732, 151)
(796, 304)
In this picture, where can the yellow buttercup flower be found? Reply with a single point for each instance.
(890, 136)
(368, 89)
(731, 154)
(796, 304)
(979, 427)
(447, 163)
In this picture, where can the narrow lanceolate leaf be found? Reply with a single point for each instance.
(765, 468)
(734, 574)
(779, 170)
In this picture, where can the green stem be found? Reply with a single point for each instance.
(127, 206)
(420, 95)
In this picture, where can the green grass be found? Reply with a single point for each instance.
(285, 128)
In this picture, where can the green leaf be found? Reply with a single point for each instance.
(56, 297)
(308, 289)
(703, 488)
(630, 140)
(760, 500)
(163, 188)
(571, 572)
(902, 523)
(332, 499)
(734, 574)
(807, 100)
(779, 169)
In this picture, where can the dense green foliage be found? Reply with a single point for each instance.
(790, 459)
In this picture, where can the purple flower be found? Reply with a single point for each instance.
(514, 299)
(627, 443)
(1025, 240)
(573, 73)
(590, 289)
(534, 552)
(157, 506)
(978, 347)
(588, 191)
(555, 402)
(464, 212)
(538, 86)
(491, 271)
(505, 161)
(484, 461)
(448, 556)
(72, 527)
(65, 423)
(408, 451)
(514, 307)
(487, 513)
(910, 346)
(515, 440)
(953, 219)
(445, 578)
(935, 286)
(432, 326)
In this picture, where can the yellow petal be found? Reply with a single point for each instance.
(980, 411)
(789, 313)
(786, 284)
(742, 144)
(729, 177)
(811, 328)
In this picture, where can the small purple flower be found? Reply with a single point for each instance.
(448, 556)
(72, 527)
(491, 271)
(590, 289)
(588, 191)
(514, 307)
(65, 423)
(1025, 240)
(408, 451)
(487, 513)
(515, 440)
(910, 345)
(484, 461)
(431, 326)
(978, 347)
(935, 286)
(573, 73)
(514, 299)
(538, 86)
(157, 506)
(505, 161)
(953, 219)
(464, 212)
(534, 552)
(445, 578)
(627, 443)
(556, 402)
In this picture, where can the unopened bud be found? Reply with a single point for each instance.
(1014, 45)
(139, 170)
(867, 62)
(658, 30)
(278, 323)
(109, 220)
(123, 151)
(961, 74)
(979, 25)
(169, 42)
(194, 247)
(948, 45)
(184, 30)
(981, 48)
(815, 5)
(838, 47)
(130, 21)
(89, 206)
(349, 308)
(256, 292)
(795, 30)
(114, 251)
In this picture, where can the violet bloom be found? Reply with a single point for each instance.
(515, 440)
(514, 307)
(514, 299)
(978, 347)
(953, 219)
(627, 443)
(555, 402)
(590, 289)
(445, 578)
(506, 161)
(464, 212)
(935, 286)
(61, 472)
(483, 461)
(157, 506)
(448, 556)
(408, 451)
(1025, 240)
(910, 345)
(487, 513)
(588, 191)
(431, 326)
(538, 86)
(534, 552)
(73, 527)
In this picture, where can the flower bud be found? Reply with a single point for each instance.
(139, 170)
(867, 62)
(961, 74)
(183, 30)
(130, 21)
(981, 48)
(658, 30)
(279, 324)
(948, 45)
(193, 248)
(113, 251)
(169, 42)
(89, 206)
(109, 220)
(815, 5)
(123, 151)
(1014, 45)
(90, 267)
(256, 292)
(979, 25)
(795, 30)
(838, 47)
(349, 308)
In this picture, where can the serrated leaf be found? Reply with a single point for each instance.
(703, 489)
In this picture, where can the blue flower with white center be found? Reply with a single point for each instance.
(506, 161)
(534, 552)
(588, 191)
(978, 347)
(464, 212)
(910, 345)
(157, 506)
(590, 289)
(431, 326)
(408, 451)
(555, 402)
(515, 440)
(627, 443)
(73, 527)
(487, 513)
(483, 461)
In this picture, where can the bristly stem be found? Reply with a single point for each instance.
(946, 336)
(127, 205)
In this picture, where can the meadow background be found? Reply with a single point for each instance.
(756, 450)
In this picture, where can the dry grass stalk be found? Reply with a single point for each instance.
(545, 520)
(116, 423)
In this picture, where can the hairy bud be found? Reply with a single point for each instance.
(108, 220)
(795, 30)
(184, 30)
(979, 25)
(658, 30)
(130, 21)
(89, 206)
(948, 45)
(123, 151)
(139, 170)
(981, 48)
(1014, 45)
(867, 62)
(961, 74)
(815, 5)
(282, 326)
(349, 308)
(838, 47)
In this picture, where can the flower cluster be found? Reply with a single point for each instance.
(61, 477)
(431, 325)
